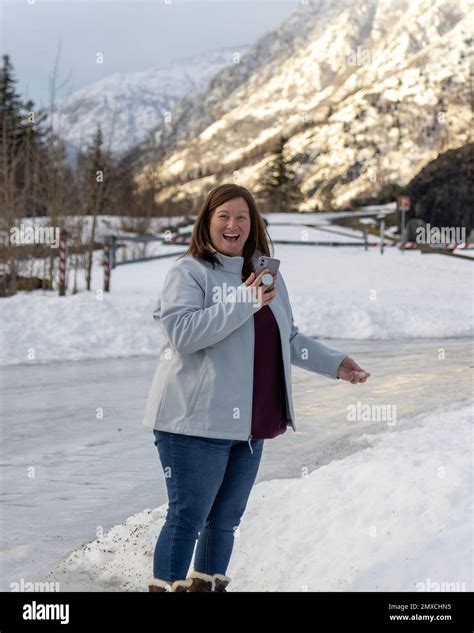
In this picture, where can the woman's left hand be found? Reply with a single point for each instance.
(350, 370)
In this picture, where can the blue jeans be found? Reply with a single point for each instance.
(208, 483)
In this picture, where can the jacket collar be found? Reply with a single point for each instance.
(233, 264)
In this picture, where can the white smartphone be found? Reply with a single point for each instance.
(267, 262)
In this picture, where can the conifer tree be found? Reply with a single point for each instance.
(281, 184)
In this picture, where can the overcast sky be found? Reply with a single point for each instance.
(132, 35)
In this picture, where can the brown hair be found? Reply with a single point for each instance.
(258, 238)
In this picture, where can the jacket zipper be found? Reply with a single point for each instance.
(251, 399)
(251, 383)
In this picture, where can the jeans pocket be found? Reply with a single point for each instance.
(159, 435)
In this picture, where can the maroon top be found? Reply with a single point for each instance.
(268, 404)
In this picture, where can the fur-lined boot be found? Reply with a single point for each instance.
(155, 584)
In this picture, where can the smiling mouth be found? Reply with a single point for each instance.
(231, 237)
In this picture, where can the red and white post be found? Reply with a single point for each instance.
(62, 263)
(107, 244)
(403, 205)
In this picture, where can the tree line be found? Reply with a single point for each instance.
(40, 179)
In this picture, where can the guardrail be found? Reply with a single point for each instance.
(110, 246)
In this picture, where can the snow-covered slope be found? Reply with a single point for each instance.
(368, 93)
(129, 105)
(393, 516)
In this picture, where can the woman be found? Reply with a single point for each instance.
(222, 386)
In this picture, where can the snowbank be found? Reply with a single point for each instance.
(393, 516)
(336, 292)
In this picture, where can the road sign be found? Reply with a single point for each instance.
(403, 203)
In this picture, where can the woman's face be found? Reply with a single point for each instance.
(230, 227)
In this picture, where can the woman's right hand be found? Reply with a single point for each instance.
(255, 282)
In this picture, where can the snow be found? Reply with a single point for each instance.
(406, 64)
(105, 224)
(393, 516)
(148, 94)
(336, 292)
(464, 252)
(398, 495)
(75, 473)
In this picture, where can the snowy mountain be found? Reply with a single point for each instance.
(368, 92)
(129, 105)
